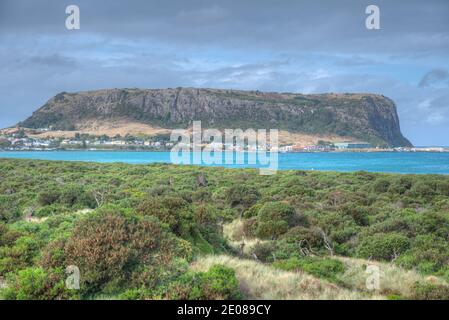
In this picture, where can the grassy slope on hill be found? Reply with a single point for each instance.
(153, 231)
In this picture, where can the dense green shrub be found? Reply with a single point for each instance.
(320, 267)
(383, 246)
(72, 195)
(242, 196)
(401, 184)
(285, 250)
(430, 291)
(428, 254)
(423, 189)
(9, 207)
(7, 236)
(53, 254)
(150, 278)
(48, 197)
(37, 284)
(19, 255)
(360, 214)
(171, 210)
(443, 188)
(264, 251)
(338, 226)
(201, 195)
(381, 185)
(428, 222)
(310, 237)
(253, 211)
(111, 247)
(274, 219)
(339, 197)
(205, 214)
(219, 283)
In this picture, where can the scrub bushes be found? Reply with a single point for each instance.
(150, 221)
(428, 253)
(274, 219)
(219, 283)
(35, 283)
(18, 255)
(381, 185)
(168, 209)
(311, 237)
(242, 196)
(429, 291)
(383, 246)
(110, 249)
(325, 268)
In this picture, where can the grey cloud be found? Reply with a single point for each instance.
(284, 25)
(442, 101)
(437, 110)
(207, 15)
(18, 62)
(435, 76)
(52, 60)
(355, 60)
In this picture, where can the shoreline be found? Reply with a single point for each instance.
(428, 150)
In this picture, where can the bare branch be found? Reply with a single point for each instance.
(327, 243)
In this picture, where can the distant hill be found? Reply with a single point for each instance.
(369, 117)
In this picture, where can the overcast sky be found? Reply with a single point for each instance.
(295, 46)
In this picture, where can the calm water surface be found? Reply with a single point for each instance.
(397, 162)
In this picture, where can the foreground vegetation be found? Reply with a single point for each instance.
(182, 232)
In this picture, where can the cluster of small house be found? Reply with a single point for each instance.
(15, 142)
(116, 142)
(12, 142)
(286, 148)
(327, 147)
(28, 143)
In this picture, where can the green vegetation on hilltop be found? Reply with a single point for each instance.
(135, 231)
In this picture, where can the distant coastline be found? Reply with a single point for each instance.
(371, 150)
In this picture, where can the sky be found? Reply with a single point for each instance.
(284, 46)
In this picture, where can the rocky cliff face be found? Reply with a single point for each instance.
(368, 117)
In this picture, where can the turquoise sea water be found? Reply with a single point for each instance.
(395, 162)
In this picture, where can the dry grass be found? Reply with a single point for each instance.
(393, 279)
(302, 139)
(38, 220)
(125, 126)
(262, 281)
(109, 128)
(259, 281)
(233, 233)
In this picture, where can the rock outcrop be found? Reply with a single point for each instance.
(369, 117)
